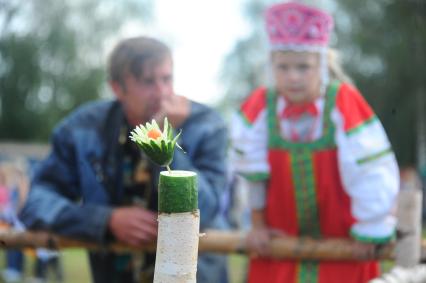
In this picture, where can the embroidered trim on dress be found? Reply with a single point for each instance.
(374, 156)
(361, 126)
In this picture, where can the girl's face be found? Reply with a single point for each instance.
(297, 75)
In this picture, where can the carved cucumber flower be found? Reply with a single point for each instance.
(158, 145)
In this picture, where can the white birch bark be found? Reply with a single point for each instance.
(177, 247)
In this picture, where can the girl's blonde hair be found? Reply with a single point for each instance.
(335, 69)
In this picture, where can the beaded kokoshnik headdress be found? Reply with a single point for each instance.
(293, 26)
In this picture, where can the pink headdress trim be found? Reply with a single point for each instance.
(294, 24)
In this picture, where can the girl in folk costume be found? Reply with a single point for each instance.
(317, 159)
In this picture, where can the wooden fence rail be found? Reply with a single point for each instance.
(213, 241)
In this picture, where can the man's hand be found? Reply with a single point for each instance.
(133, 225)
(176, 108)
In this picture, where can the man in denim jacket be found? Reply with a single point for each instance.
(97, 185)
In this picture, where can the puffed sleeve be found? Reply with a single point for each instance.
(249, 146)
(249, 138)
(368, 167)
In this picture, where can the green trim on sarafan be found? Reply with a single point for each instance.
(256, 177)
(302, 167)
(327, 138)
(373, 240)
(305, 192)
(301, 155)
(307, 272)
(244, 118)
(177, 192)
(374, 156)
(362, 126)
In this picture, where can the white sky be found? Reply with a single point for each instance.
(200, 34)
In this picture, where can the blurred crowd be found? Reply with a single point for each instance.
(15, 173)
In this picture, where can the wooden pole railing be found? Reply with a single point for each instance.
(212, 241)
(234, 242)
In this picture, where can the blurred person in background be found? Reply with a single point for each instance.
(318, 161)
(97, 185)
(13, 190)
(14, 174)
(47, 266)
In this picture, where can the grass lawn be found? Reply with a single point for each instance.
(237, 268)
(74, 263)
(76, 268)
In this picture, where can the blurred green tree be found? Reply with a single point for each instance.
(383, 45)
(245, 67)
(52, 58)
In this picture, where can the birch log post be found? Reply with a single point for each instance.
(409, 215)
(179, 218)
(399, 274)
(178, 228)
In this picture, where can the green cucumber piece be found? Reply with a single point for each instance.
(177, 192)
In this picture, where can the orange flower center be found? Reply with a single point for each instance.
(154, 134)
